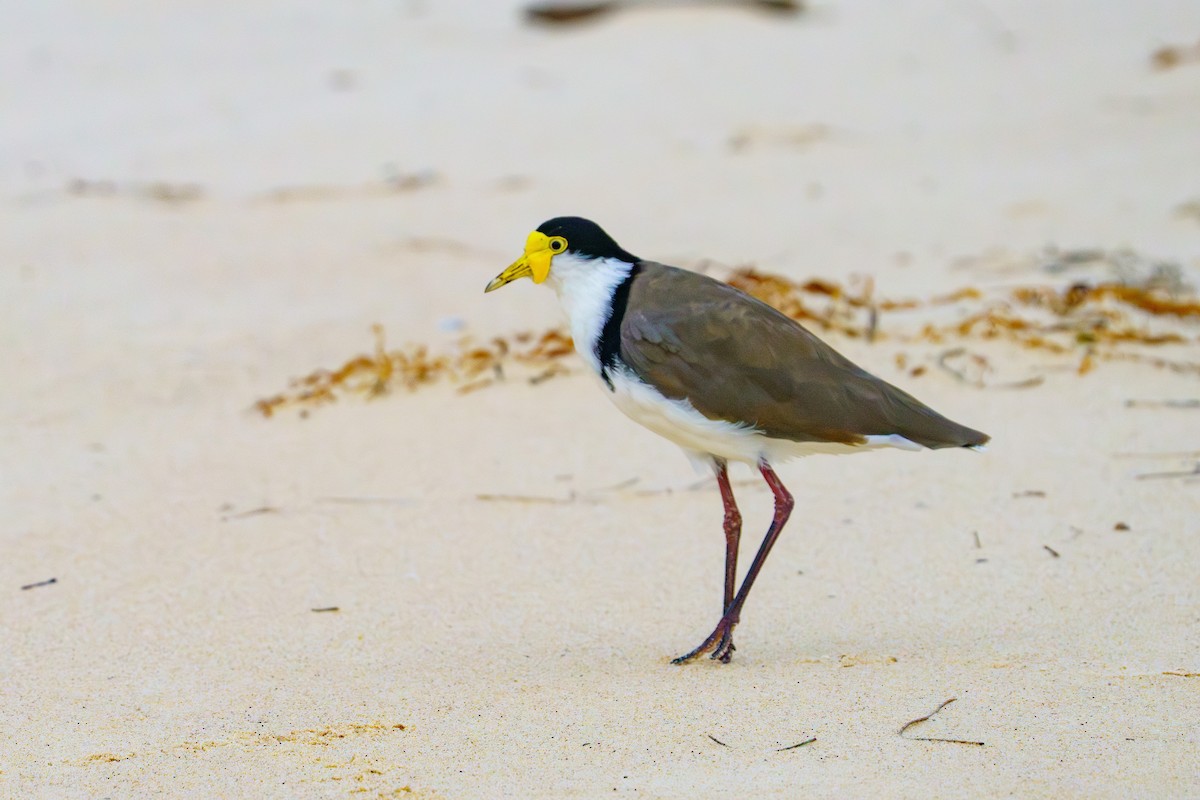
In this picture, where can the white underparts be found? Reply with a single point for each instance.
(701, 437)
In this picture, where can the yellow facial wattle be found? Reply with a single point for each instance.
(540, 250)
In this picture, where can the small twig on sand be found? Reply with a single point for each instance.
(390, 501)
(919, 720)
(1194, 471)
(794, 746)
(522, 498)
(560, 13)
(46, 582)
(326, 609)
(254, 512)
(1190, 402)
(1027, 383)
(1175, 454)
(547, 374)
(718, 741)
(625, 484)
(1050, 550)
(475, 386)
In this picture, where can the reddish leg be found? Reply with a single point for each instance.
(733, 531)
(720, 641)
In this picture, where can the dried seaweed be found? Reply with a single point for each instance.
(413, 366)
(1087, 323)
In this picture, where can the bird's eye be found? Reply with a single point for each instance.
(558, 244)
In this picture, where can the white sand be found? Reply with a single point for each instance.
(524, 646)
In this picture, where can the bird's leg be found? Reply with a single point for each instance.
(720, 641)
(733, 531)
(733, 536)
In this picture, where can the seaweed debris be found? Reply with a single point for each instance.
(1085, 322)
(374, 375)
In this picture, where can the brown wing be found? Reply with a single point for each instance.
(736, 358)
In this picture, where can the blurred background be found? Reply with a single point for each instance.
(258, 167)
(202, 199)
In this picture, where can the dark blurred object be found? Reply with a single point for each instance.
(1173, 56)
(566, 12)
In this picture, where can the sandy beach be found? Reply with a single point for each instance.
(449, 593)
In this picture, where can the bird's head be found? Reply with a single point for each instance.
(575, 238)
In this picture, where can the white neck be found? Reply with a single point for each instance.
(585, 289)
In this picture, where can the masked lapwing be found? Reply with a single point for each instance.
(723, 375)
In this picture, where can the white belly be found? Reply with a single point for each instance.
(700, 436)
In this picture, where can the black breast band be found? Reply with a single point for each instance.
(608, 345)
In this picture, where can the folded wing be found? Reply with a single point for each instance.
(735, 358)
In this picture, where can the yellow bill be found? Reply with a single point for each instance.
(535, 263)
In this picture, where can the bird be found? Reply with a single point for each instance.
(723, 375)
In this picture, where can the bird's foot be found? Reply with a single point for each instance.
(720, 642)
